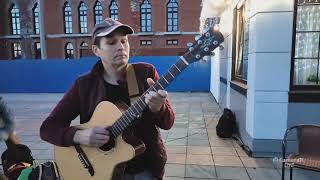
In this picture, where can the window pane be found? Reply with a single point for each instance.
(306, 71)
(307, 45)
(308, 18)
(145, 16)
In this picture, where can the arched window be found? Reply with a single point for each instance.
(69, 51)
(98, 13)
(84, 49)
(113, 10)
(36, 24)
(67, 14)
(172, 16)
(145, 17)
(83, 20)
(15, 20)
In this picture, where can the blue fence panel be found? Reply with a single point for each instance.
(55, 76)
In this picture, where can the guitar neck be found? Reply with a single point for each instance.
(135, 110)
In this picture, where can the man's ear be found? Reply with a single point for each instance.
(95, 50)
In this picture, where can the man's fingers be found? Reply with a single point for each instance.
(150, 81)
(163, 93)
(100, 137)
(101, 130)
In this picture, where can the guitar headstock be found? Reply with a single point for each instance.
(204, 45)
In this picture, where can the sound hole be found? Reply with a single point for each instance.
(108, 146)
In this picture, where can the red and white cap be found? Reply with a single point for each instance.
(108, 26)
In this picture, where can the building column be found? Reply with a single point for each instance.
(42, 31)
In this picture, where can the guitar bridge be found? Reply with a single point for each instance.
(84, 160)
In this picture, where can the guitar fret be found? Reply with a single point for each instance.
(121, 124)
(184, 60)
(139, 106)
(155, 90)
(142, 101)
(159, 84)
(177, 67)
(165, 80)
(135, 109)
(116, 129)
(168, 77)
(132, 113)
(171, 74)
(130, 116)
(126, 123)
(113, 132)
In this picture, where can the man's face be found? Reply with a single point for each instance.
(114, 50)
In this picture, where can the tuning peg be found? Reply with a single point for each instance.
(206, 49)
(213, 53)
(198, 56)
(191, 49)
(197, 37)
(207, 34)
(215, 43)
(189, 44)
(221, 47)
(205, 59)
(199, 42)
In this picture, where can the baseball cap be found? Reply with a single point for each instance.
(108, 26)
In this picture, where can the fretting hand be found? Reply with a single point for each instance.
(155, 100)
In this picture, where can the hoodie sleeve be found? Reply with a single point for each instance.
(56, 129)
(165, 117)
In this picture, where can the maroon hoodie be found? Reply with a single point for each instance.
(82, 98)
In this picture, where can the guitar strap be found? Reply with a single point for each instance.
(133, 88)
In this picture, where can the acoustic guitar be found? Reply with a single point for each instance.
(108, 162)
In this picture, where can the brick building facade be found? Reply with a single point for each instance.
(162, 27)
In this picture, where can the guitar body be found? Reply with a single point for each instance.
(106, 164)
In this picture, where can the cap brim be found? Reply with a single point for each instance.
(127, 29)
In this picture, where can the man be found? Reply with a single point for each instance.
(107, 82)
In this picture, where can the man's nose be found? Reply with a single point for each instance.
(120, 46)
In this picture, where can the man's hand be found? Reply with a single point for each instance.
(155, 100)
(95, 137)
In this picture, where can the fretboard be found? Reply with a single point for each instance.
(137, 107)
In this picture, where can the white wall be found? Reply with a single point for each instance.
(215, 75)
(270, 36)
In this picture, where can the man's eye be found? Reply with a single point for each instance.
(123, 41)
(111, 42)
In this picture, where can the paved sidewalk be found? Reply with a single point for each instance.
(194, 150)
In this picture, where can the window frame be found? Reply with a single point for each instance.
(14, 30)
(13, 50)
(172, 42)
(83, 48)
(146, 42)
(36, 19)
(238, 44)
(98, 12)
(35, 50)
(114, 10)
(68, 28)
(145, 14)
(172, 18)
(83, 18)
(66, 50)
(301, 93)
